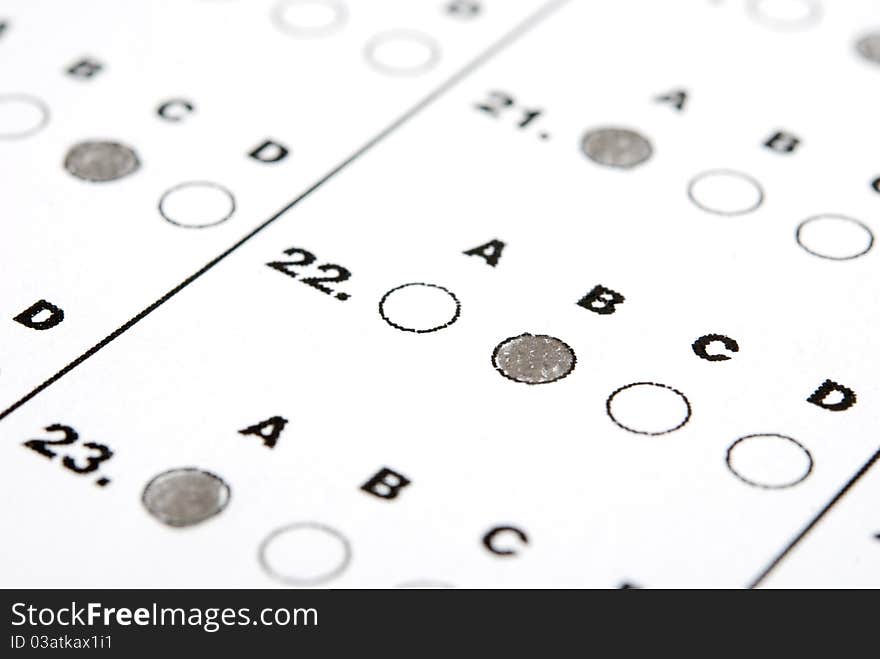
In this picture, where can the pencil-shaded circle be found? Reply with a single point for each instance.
(304, 554)
(309, 18)
(21, 116)
(197, 204)
(100, 161)
(869, 47)
(648, 408)
(834, 237)
(616, 147)
(533, 358)
(419, 308)
(183, 497)
(725, 192)
(769, 461)
(402, 52)
(786, 14)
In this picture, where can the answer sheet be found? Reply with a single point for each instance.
(469, 293)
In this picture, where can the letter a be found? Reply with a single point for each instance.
(676, 98)
(269, 430)
(491, 252)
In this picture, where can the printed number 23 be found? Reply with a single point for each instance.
(70, 436)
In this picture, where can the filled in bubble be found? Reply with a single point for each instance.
(100, 161)
(184, 497)
(616, 147)
(533, 359)
(869, 47)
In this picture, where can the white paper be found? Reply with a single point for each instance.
(398, 173)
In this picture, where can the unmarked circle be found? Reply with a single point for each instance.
(183, 497)
(309, 18)
(769, 461)
(533, 358)
(197, 204)
(402, 52)
(725, 192)
(100, 161)
(304, 554)
(834, 237)
(419, 308)
(648, 408)
(616, 147)
(869, 47)
(786, 14)
(21, 116)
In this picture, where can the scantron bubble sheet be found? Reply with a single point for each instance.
(485, 294)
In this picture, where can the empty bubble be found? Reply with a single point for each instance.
(309, 18)
(402, 52)
(533, 358)
(648, 408)
(21, 116)
(419, 308)
(197, 204)
(726, 192)
(769, 461)
(101, 161)
(304, 554)
(616, 147)
(183, 497)
(834, 237)
(786, 14)
(869, 47)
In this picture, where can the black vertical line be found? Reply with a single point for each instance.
(523, 27)
(809, 527)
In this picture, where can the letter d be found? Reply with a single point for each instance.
(28, 317)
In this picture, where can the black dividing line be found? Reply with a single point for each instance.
(474, 64)
(809, 527)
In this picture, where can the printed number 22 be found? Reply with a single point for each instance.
(304, 258)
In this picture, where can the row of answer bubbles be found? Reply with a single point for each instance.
(310, 553)
(192, 204)
(199, 204)
(318, 18)
(396, 52)
(300, 554)
(792, 15)
(728, 192)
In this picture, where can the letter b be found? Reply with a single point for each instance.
(84, 68)
(601, 300)
(385, 484)
(783, 142)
